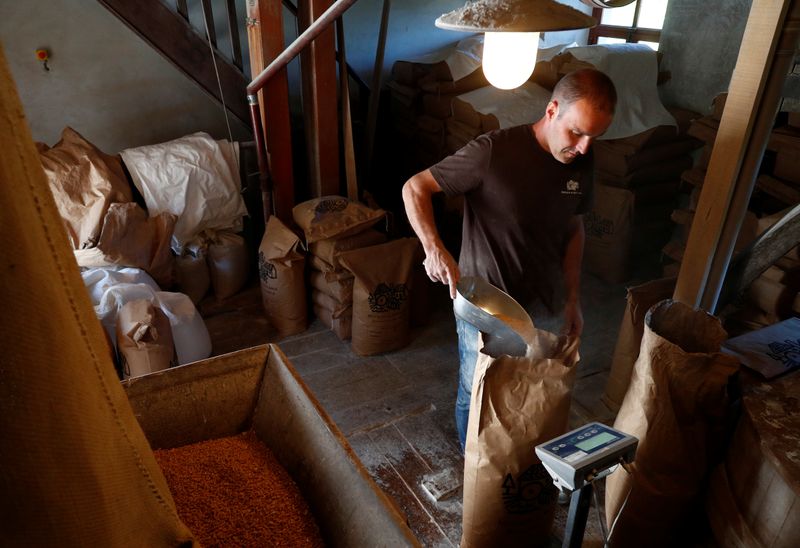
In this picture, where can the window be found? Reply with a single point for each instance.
(640, 21)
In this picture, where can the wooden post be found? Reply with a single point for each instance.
(375, 90)
(318, 67)
(265, 38)
(347, 124)
(720, 203)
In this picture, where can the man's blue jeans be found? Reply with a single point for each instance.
(468, 357)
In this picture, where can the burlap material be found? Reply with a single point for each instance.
(328, 250)
(626, 351)
(281, 267)
(84, 182)
(227, 264)
(675, 406)
(333, 217)
(75, 467)
(517, 403)
(381, 295)
(130, 238)
(144, 339)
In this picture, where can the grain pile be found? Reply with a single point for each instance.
(233, 492)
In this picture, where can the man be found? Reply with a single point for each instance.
(525, 189)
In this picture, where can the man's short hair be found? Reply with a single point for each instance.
(589, 84)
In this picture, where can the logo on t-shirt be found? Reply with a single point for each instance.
(572, 187)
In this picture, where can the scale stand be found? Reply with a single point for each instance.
(577, 459)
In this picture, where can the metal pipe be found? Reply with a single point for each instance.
(330, 15)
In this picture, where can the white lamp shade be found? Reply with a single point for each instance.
(509, 57)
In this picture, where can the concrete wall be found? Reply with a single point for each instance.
(104, 82)
(700, 42)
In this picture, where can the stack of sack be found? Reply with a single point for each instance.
(421, 93)
(127, 253)
(333, 225)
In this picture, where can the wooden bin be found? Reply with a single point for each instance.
(258, 388)
(754, 496)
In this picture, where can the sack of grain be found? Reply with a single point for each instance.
(329, 249)
(281, 265)
(341, 290)
(144, 339)
(227, 263)
(333, 217)
(516, 403)
(191, 271)
(381, 303)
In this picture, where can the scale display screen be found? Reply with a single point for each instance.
(596, 441)
(583, 442)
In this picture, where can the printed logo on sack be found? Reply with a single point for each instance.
(387, 297)
(529, 492)
(786, 352)
(572, 188)
(266, 270)
(597, 226)
(329, 206)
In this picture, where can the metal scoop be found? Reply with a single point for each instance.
(503, 321)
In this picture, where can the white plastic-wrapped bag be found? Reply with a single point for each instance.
(193, 177)
(98, 280)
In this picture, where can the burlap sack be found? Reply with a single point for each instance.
(84, 182)
(381, 294)
(342, 326)
(675, 406)
(281, 267)
(626, 351)
(144, 339)
(341, 290)
(227, 264)
(609, 226)
(329, 249)
(517, 403)
(130, 238)
(333, 217)
(191, 272)
(76, 467)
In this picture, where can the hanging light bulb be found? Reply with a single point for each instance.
(509, 57)
(512, 30)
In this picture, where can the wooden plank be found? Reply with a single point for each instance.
(745, 93)
(233, 31)
(273, 99)
(183, 11)
(318, 71)
(179, 43)
(347, 126)
(375, 90)
(208, 19)
(778, 189)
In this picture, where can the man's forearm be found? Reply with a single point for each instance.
(417, 200)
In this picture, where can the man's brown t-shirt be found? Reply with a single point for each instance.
(518, 201)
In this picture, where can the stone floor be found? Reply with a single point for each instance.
(396, 409)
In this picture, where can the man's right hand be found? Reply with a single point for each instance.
(441, 267)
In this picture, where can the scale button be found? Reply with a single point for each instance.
(555, 448)
(562, 445)
(580, 437)
(594, 431)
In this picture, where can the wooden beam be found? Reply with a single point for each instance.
(180, 44)
(265, 37)
(764, 26)
(233, 32)
(375, 90)
(347, 126)
(208, 18)
(318, 67)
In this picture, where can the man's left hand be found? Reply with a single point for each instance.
(573, 320)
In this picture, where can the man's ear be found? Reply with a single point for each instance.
(552, 109)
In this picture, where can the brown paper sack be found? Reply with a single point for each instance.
(130, 238)
(328, 250)
(227, 264)
(333, 217)
(381, 292)
(517, 403)
(609, 228)
(342, 326)
(84, 181)
(281, 267)
(191, 271)
(144, 339)
(675, 406)
(626, 351)
(335, 307)
(341, 290)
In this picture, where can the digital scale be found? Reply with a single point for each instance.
(577, 459)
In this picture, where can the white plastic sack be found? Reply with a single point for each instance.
(189, 332)
(195, 178)
(98, 280)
